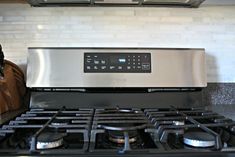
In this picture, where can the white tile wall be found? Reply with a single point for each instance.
(210, 27)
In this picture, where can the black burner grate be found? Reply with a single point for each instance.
(119, 131)
(123, 122)
(75, 125)
(172, 124)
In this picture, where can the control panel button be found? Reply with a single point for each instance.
(120, 67)
(88, 67)
(88, 60)
(96, 62)
(95, 67)
(128, 67)
(145, 66)
(103, 62)
(112, 67)
(103, 67)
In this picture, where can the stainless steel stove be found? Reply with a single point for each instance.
(117, 102)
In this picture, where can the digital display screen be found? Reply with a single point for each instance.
(122, 60)
(117, 59)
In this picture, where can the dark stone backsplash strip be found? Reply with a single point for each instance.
(219, 94)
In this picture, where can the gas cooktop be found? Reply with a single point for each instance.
(118, 131)
(110, 95)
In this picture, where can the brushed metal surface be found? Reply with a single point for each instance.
(63, 68)
(166, 1)
(191, 3)
(115, 2)
(64, 1)
(128, 3)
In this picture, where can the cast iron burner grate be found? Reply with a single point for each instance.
(129, 127)
(193, 129)
(48, 131)
(117, 131)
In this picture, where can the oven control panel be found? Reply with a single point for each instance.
(117, 62)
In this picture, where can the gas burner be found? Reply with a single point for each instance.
(122, 127)
(119, 138)
(59, 122)
(199, 139)
(49, 140)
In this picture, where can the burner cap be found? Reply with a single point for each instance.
(118, 136)
(49, 140)
(199, 139)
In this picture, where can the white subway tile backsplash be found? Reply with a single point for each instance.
(33, 18)
(14, 18)
(177, 20)
(119, 12)
(152, 12)
(209, 27)
(172, 28)
(9, 27)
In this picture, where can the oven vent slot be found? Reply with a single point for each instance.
(151, 90)
(58, 90)
(115, 90)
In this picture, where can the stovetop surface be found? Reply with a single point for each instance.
(118, 131)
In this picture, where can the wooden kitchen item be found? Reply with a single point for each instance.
(19, 76)
(12, 88)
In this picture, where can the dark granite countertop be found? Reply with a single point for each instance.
(227, 110)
